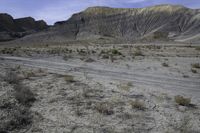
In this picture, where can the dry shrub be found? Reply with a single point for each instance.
(196, 65)
(115, 52)
(137, 104)
(105, 56)
(197, 48)
(11, 77)
(160, 35)
(16, 113)
(138, 52)
(89, 60)
(193, 70)
(19, 117)
(69, 78)
(104, 108)
(28, 74)
(24, 95)
(182, 101)
(67, 57)
(165, 64)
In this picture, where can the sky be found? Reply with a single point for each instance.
(58, 10)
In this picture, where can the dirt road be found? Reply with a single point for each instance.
(189, 85)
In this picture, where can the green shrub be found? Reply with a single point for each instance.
(115, 52)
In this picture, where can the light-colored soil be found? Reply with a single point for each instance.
(131, 93)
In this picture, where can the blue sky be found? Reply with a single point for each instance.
(57, 10)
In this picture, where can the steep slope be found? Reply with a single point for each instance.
(158, 22)
(15, 28)
(162, 22)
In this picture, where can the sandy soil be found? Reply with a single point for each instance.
(128, 92)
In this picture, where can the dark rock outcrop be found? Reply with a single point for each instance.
(7, 23)
(15, 28)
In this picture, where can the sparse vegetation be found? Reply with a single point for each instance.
(193, 70)
(180, 100)
(164, 64)
(103, 81)
(89, 60)
(28, 73)
(15, 106)
(11, 77)
(138, 52)
(197, 48)
(69, 78)
(137, 104)
(24, 95)
(104, 108)
(126, 86)
(66, 57)
(196, 65)
(105, 56)
(115, 52)
(16, 117)
(110, 54)
(160, 35)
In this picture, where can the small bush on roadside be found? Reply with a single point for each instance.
(165, 64)
(89, 60)
(104, 108)
(115, 52)
(69, 78)
(105, 56)
(11, 77)
(24, 95)
(193, 70)
(138, 52)
(182, 101)
(27, 74)
(197, 48)
(196, 65)
(66, 57)
(136, 104)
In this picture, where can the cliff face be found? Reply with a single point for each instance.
(151, 23)
(162, 22)
(15, 28)
(7, 23)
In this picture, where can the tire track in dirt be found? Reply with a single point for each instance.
(170, 83)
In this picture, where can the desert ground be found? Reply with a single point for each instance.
(100, 88)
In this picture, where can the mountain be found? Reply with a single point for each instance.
(15, 28)
(104, 24)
